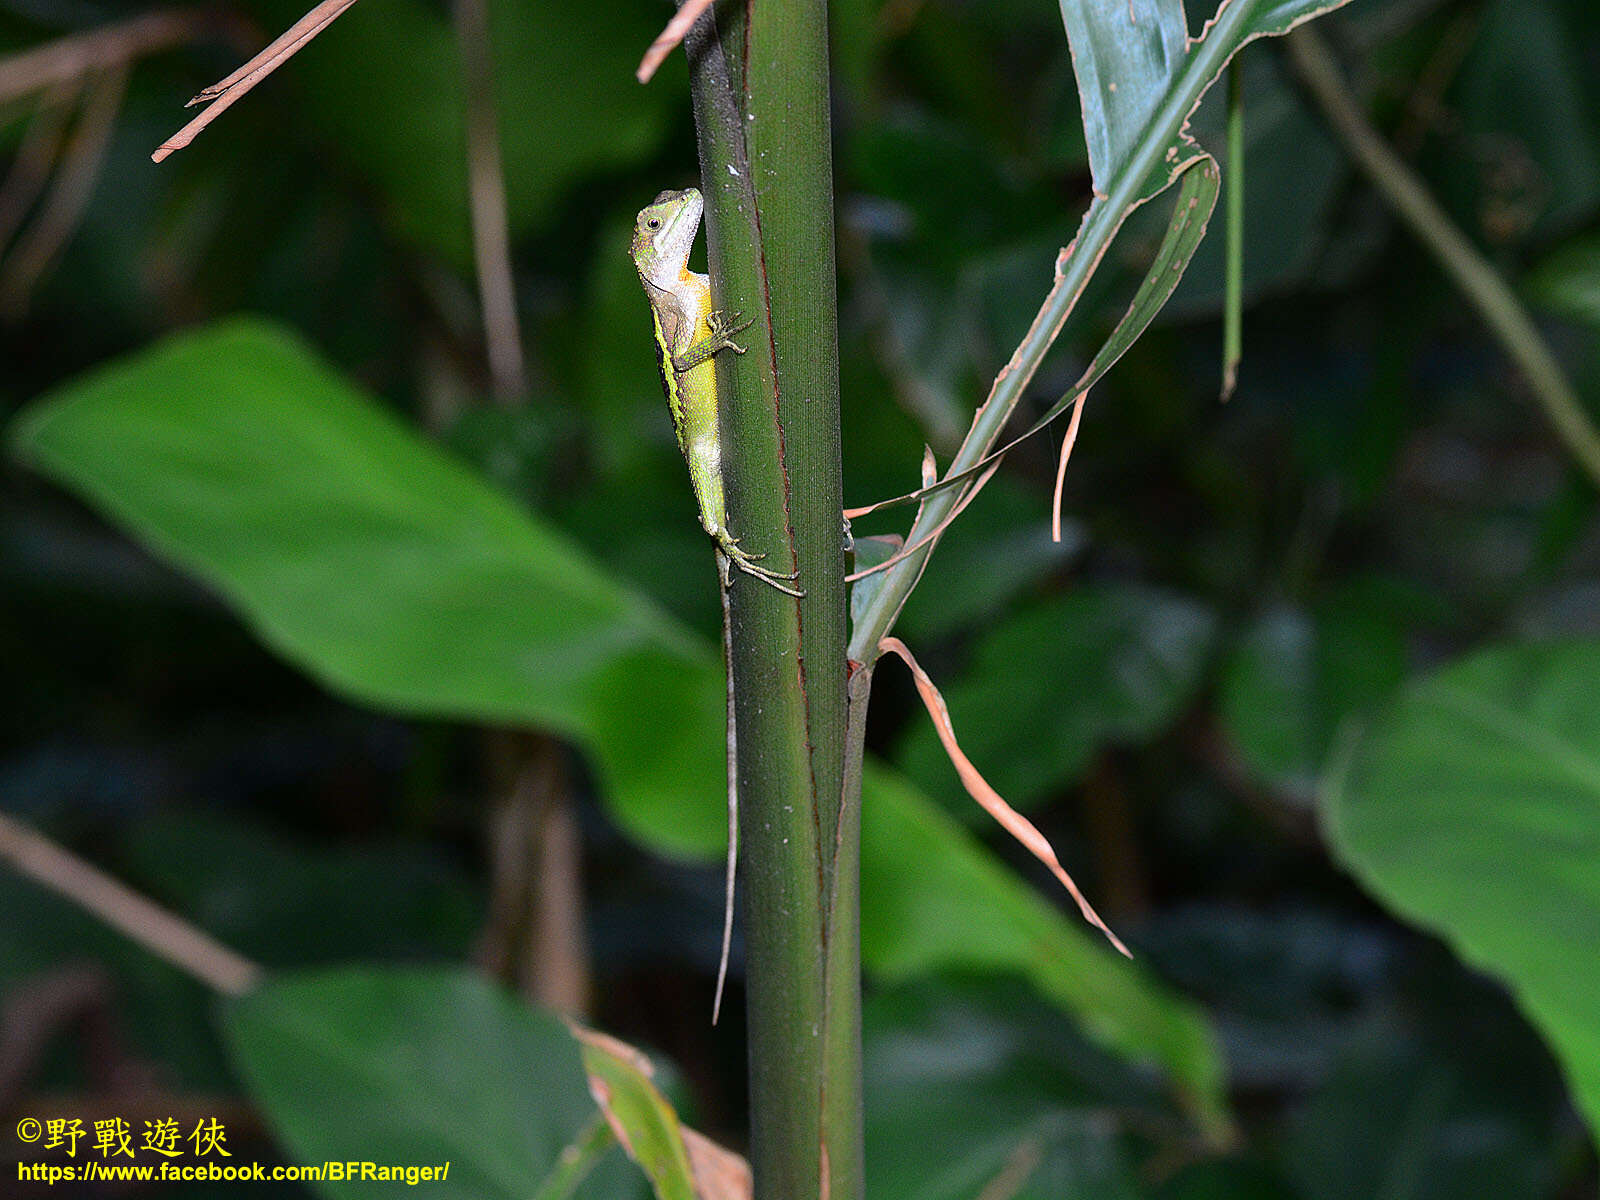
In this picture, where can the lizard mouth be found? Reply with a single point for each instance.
(676, 240)
(663, 236)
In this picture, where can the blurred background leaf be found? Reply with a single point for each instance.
(961, 1099)
(1568, 282)
(381, 89)
(1295, 678)
(419, 1068)
(1050, 684)
(1377, 498)
(1473, 806)
(419, 590)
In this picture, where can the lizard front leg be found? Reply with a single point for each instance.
(719, 337)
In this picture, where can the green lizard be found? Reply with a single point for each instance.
(689, 334)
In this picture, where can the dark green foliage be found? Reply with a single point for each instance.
(1309, 683)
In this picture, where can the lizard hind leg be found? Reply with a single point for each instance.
(738, 556)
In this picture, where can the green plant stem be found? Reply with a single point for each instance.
(761, 110)
(1106, 214)
(576, 1162)
(1406, 195)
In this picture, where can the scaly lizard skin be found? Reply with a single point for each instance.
(689, 334)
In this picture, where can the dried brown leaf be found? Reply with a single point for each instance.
(1013, 822)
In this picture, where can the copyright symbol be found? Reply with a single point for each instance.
(29, 1129)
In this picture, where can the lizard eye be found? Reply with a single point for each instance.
(654, 222)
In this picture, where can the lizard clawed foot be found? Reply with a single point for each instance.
(723, 326)
(747, 562)
(720, 329)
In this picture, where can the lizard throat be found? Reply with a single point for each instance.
(666, 271)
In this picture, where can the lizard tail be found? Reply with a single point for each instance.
(727, 910)
(733, 791)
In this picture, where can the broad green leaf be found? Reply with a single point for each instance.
(974, 1091)
(1269, 702)
(1443, 1112)
(1139, 77)
(386, 571)
(269, 897)
(383, 568)
(1473, 808)
(417, 1067)
(1296, 676)
(1568, 282)
(1050, 685)
(1125, 54)
(933, 899)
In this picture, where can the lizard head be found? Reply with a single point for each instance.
(664, 233)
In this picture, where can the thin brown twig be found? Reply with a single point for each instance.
(162, 933)
(68, 59)
(1017, 1169)
(486, 197)
(226, 92)
(278, 50)
(30, 170)
(69, 194)
(1425, 106)
(533, 939)
(676, 30)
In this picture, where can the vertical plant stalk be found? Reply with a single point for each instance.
(533, 938)
(486, 194)
(761, 110)
(1408, 197)
(1233, 275)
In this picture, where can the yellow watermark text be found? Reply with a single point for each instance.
(110, 1150)
(96, 1171)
